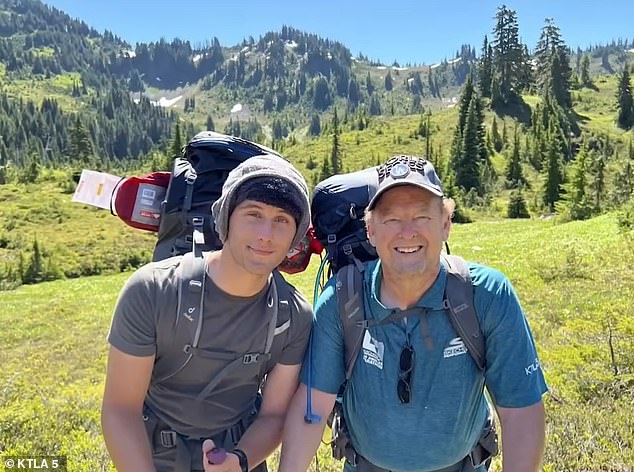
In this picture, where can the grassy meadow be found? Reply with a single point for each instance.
(574, 281)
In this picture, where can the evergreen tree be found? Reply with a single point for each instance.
(428, 150)
(315, 125)
(485, 69)
(335, 153)
(34, 272)
(517, 207)
(375, 106)
(388, 82)
(598, 180)
(554, 172)
(369, 85)
(80, 144)
(469, 156)
(575, 204)
(507, 54)
(498, 143)
(354, 92)
(468, 173)
(135, 84)
(322, 98)
(326, 171)
(514, 174)
(177, 144)
(553, 65)
(585, 71)
(625, 104)
(210, 124)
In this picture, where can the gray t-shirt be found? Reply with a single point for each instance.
(231, 325)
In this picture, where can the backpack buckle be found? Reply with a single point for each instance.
(168, 438)
(251, 358)
(353, 211)
(347, 249)
(332, 238)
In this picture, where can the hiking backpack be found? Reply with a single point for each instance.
(196, 183)
(338, 209)
(187, 227)
(178, 206)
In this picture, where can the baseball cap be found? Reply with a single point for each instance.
(406, 170)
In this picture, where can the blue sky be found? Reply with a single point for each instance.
(413, 31)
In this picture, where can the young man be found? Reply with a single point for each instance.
(152, 421)
(415, 400)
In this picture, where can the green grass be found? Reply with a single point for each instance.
(74, 239)
(574, 280)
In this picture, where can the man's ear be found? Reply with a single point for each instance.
(369, 229)
(446, 227)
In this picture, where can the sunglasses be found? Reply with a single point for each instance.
(406, 366)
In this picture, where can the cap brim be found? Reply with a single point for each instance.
(391, 185)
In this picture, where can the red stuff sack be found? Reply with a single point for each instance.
(137, 200)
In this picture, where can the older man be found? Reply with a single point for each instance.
(415, 400)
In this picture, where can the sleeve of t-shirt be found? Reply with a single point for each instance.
(325, 357)
(513, 375)
(301, 323)
(133, 328)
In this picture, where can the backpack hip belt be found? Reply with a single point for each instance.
(475, 459)
(161, 435)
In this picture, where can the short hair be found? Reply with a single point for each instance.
(448, 207)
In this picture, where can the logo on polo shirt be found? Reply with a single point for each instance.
(456, 348)
(373, 351)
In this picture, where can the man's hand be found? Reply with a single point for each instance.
(230, 464)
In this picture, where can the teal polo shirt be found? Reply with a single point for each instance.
(447, 411)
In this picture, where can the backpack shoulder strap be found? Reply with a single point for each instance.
(272, 310)
(189, 313)
(459, 304)
(349, 290)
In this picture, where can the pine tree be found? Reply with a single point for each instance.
(468, 173)
(598, 180)
(575, 204)
(514, 174)
(34, 272)
(326, 170)
(210, 124)
(553, 65)
(624, 100)
(485, 69)
(388, 82)
(375, 106)
(517, 207)
(314, 129)
(335, 153)
(428, 150)
(507, 54)
(554, 172)
(369, 85)
(585, 71)
(80, 144)
(498, 143)
(177, 144)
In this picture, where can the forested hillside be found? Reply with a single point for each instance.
(514, 130)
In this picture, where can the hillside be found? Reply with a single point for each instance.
(577, 292)
(72, 98)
